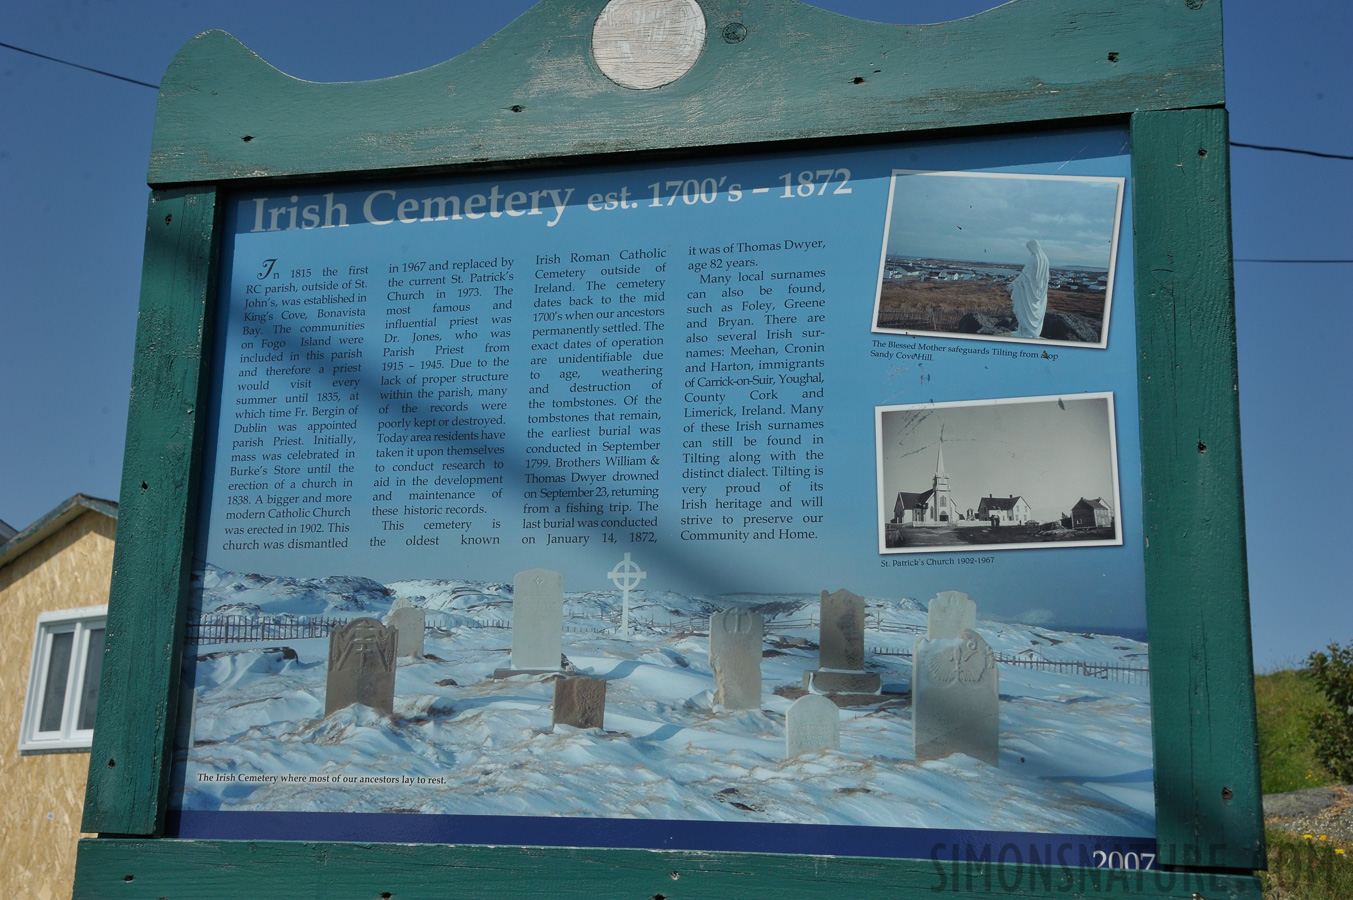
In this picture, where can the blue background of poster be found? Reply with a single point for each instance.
(291, 309)
(1083, 587)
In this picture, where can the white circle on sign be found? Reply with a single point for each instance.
(644, 44)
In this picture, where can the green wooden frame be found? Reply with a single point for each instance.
(791, 76)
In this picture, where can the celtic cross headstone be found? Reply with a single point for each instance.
(361, 666)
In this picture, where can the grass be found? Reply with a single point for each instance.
(939, 305)
(1305, 867)
(1285, 702)
(1300, 867)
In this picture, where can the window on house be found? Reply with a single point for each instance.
(63, 680)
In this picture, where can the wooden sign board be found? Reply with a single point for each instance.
(712, 449)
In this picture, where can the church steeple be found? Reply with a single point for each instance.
(941, 477)
(942, 507)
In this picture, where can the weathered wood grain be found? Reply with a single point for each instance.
(1202, 689)
(228, 870)
(533, 91)
(138, 690)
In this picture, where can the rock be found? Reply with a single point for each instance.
(1064, 327)
(980, 323)
(1056, 326)
(1306, 802)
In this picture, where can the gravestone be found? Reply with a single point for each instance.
(410, 622)
(813, 724)
(955, 698)
(951, 612)
(361, 666)
(537, 622)
(841, 649)
(735, 657)
(580, 701)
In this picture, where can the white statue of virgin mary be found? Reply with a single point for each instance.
(1029, 293)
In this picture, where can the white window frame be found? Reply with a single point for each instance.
(81, 622)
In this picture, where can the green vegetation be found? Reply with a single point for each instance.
(1306, 867)
(1305, 741)
(1332, 727)
(1287, 703)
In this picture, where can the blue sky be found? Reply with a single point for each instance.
(985, 219)
(74, 147)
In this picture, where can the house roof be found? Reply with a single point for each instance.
(7, 531)
(1097, 503)
(999, 502)
(908, 500)
(51, 523)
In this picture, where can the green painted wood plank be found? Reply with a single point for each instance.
(1202, 691)
(132, 870)
(138, 689)
(532, 91)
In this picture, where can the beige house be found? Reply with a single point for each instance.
(54, 578)
(1010, 510)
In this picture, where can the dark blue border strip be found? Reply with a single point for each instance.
(651, 834)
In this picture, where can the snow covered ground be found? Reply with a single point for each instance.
(1075, 751)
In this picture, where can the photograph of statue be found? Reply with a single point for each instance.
(996, 256)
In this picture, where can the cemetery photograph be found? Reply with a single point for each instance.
(1000, 474)
(531, 698)
(997, 256)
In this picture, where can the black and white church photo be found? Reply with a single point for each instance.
(1001, 474)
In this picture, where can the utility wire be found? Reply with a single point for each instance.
(156, 87)
(1291, 150)
(65, 62)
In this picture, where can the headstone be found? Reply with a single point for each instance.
(361, 666)
(813, 724)
(841, 649)
(580, 701)
(955, 698)
(735, 657)
(411, 623)
(537, 621)
(951, 612)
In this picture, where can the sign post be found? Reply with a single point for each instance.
(902, 357)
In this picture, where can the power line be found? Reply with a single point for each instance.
(66, 62)
(1291, 150)
(1304, 261)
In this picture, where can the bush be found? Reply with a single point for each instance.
(1286, 702)
(1332, 728)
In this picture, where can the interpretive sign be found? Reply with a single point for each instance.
(797, 445)
(426, 388)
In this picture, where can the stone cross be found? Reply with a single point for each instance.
(735, 657)
(951, 612)
(537, 621)
(955, 698)
(361, 667)
(626, 575)
(411, 623)
(813, 724)
(580, 701)
(841, 649)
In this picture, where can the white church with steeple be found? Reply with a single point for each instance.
(932, 507)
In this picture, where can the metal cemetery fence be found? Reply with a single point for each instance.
(239, 629)
(1104, 671)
